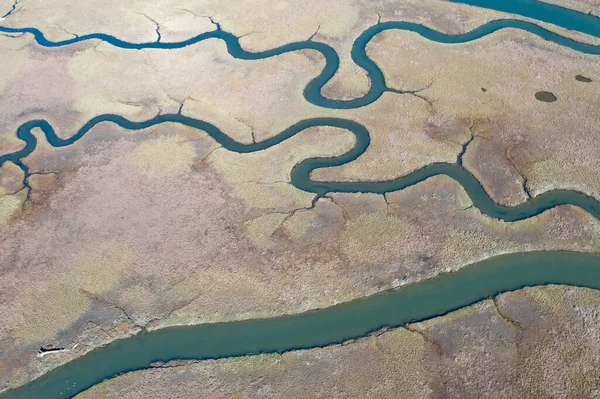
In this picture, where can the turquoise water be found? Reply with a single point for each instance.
(300, 174)
(339, 323)
(560, 16)
(332, 325)
(312, 91)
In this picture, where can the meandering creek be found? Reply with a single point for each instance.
(312, 91)
(357, 318)
(300, 174)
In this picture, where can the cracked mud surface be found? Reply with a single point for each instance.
(128, 230)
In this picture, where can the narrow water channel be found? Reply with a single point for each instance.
(336, 324)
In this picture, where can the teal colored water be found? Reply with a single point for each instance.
(300, 174)
(312, 93)
(333, 325)
(336, 324)
(553, 14)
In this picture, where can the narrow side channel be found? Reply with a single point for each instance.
(300, 173)
(312, 91)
